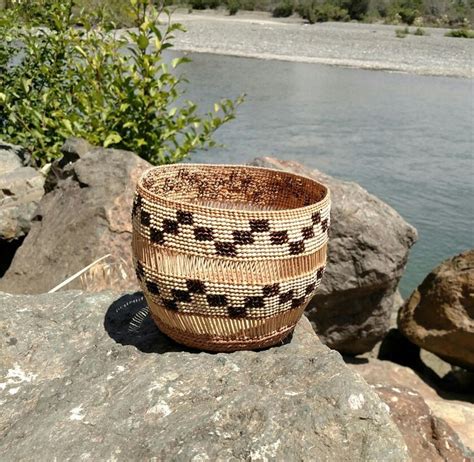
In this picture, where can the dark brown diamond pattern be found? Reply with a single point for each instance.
(259, 226)
(203, 234)
(216, 300)
(237, 311)
(220, 300)
(170, 226)
(225, 249)
(185, 218)
(279, 237)
(243, 237)
(240, 238)
(297, 247)
(196, 286)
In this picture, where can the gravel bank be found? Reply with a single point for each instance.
(367, 46)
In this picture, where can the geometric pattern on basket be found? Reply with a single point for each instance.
(188, 231)
(228, 300)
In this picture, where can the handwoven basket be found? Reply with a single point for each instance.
(228, 256)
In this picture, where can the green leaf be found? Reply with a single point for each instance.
(112, 138)
(143, 42)
(67, 124)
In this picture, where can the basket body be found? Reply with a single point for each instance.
(228, 257)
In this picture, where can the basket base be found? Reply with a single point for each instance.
(243, 339)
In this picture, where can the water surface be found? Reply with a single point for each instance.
(407, 139)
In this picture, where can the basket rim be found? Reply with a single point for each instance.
(172, 203)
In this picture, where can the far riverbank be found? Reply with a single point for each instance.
(364, 46)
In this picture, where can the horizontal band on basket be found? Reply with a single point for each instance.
(249, 239)
(217, 330)
(257, 271)
(223, 344)
(271, 193)
(207, 298)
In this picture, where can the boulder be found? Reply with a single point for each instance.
(368, 250)
(21, 189)
(89, 377)
(439, 315)
(10, 157)
(72, 150)
(402, 384)
(86, 216)
(427, 437)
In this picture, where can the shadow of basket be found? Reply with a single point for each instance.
(128, 322)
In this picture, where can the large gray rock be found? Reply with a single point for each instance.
(368, 250)
(21, 189)
(439, 315)
(89, 377)
(86, 216)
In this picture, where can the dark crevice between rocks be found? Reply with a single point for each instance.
(7, 252)
(456, 385)
(7, 192)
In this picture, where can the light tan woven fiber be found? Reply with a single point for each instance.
(227, 334)
(228, 256)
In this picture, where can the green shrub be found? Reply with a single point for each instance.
(461, 33)
(306, 10)
(419, 31)
(378, 8)
(258, 5)
(113, 89)
(283, 10)
(408, 15)
(322, 12)
(233, 6)
(357, 9)
(203, 4)
(406, 10)
(213, 4)
(198, 4)
(402, 33)
(117, 11)
(330, 12)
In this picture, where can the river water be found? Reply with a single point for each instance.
(407, 139)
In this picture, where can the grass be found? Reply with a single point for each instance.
(461, 33)
(402, 33)
(419, 31)
(103, 276)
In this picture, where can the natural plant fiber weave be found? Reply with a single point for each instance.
(228, 256)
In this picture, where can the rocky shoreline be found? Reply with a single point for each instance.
(88, 371)
(356, 45)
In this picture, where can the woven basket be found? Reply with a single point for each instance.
(228, 256)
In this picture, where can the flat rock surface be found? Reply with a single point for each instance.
(366, 46)
(89, 377)
(368, 249)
